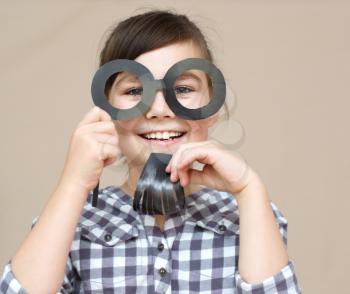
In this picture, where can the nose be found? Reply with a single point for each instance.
(159, 108)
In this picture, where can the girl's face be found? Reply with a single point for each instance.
(159, 129)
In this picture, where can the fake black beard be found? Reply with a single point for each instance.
(155, 193)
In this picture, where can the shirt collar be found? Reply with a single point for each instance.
(206, 208)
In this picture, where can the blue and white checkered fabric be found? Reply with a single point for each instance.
(117, 250)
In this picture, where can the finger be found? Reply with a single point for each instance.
(174, 160)
(195, 177)
(183, 176)
(185, 164)
(109, 151)
(172, 166)
(94, 115)
(200, 178)
(100, 127)
(109, 161)
(184, 149)
(106, 139)
(168, 168)
(199, 153)
(202, 154)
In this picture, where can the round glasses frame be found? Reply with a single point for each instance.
(151, 85)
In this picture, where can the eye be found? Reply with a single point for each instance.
(182, 90)
(134, 91)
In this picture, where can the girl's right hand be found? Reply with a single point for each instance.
(93, 145)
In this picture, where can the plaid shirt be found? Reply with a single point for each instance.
(117, 250)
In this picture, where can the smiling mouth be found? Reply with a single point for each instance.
(162, 136)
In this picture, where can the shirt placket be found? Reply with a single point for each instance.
(161, 243)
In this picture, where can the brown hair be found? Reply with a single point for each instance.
(151, 30)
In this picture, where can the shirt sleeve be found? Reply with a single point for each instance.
(10, 285)
(283, 282)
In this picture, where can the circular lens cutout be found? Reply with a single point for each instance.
(193, 88)
(124, 90)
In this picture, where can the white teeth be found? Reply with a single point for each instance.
(162, 135)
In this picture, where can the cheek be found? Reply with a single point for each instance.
(125, 134)
(129, 143)
(125, 127)
(199, 130)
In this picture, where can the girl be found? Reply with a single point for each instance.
(229, 239)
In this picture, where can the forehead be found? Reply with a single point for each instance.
(158, 61)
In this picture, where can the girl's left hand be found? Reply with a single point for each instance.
(222, 169)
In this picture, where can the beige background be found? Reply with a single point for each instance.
(288, 63)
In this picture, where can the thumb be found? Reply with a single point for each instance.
(202, 177)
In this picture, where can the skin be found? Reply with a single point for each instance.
(98, 141)
(223, 171)
(136, 149)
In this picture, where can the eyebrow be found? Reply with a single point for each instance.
(190, 75)
(130, 77)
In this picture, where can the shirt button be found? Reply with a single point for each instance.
(162, 271)
(108, 237)
(160, 246)
(222, 228)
